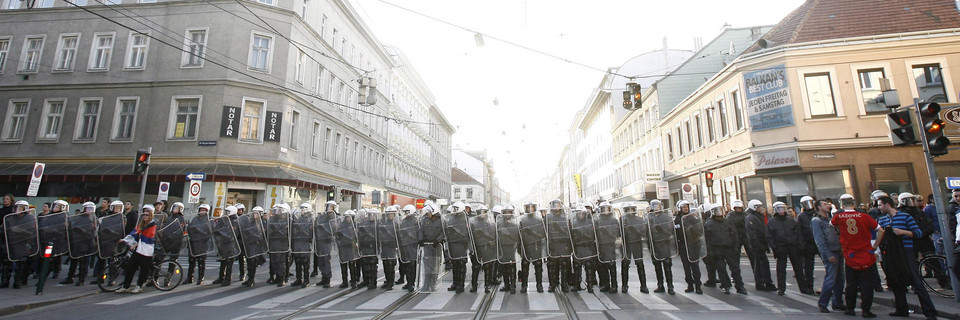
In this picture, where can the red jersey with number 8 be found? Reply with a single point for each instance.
(856, 231)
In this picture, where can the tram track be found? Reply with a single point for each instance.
(566, 306)
(485, 303)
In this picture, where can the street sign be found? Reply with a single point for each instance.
(663, 190)
(164, 191)
(651, 177)
(420, 203)
(953, 182)
(197, 176)
(194, 191)
(686, 192)
(35, 179)
(443, 202)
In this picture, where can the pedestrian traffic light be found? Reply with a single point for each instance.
(627, 95)
(708, 178)
(901, 128)
(141, 162)
(637, 95)
(330, 195)
(933, 128)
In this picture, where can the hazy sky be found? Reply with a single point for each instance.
(537, 96)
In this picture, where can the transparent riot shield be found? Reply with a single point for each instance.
(533, 237)
(508, 239)
(407, 234)
(323, 229)
(278, 231)
(170, 238)
(82, 235)
(607, 227)
(457, 235)
(635, 231)
(431, 261)
(109, 233)
(367, 233)
(252, 233)
(21, 235)
(200, 236)
(483, 236)
(225, 238)
(559, 241)
(301, 234)
(387, 235)
(346, 238)
(663, 236)
(583, 235)
(696, 245)
(53, 230)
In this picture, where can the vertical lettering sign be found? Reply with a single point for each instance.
(274, 123)
(768, 98)
(229, 122)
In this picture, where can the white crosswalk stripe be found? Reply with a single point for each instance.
(435, 301)
(339, 300)
(246, 294)
(542, 301)
(593, 303)
(382, 300)
(606, 301)
(770, 305)
(132, 298)
(184, 298)
(298, 294)
(651, 301)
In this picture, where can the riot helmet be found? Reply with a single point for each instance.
(779, 208)
(146, 208)
(331, 206)
(457, 207)
(530, 207)
(581, 211)
(555, 205)
(736, 203)
(847, 201)
(876, 194)
(629, 208)
(203, 209)
(257, 209)
(807, 202)
(497, 209)
(482, 210)
(21, 206)
(754, 205)
(716, 210)
(681, 204)
(507, 209)
(656, 205)
(63, 206)
(605, 208)
(907, 199)
(306, 207)
(230, 210)
(409, 210)
(90, 207)
(177, 207)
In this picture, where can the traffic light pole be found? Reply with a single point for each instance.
(941, 209)
(143, 180)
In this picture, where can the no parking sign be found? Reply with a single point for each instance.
(164, 191)
(35, 177)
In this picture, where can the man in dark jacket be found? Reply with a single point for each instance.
(691, 269)
(722, 242)
(756, 231)
(808, 247)
(736, 218)
(783, 237)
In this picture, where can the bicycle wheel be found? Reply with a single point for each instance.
(167, 275)
(939, 281)
(113, 274)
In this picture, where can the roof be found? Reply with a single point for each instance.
(817, 20)
(458, 176)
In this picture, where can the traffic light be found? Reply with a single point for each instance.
(627, 96)
(330, 195)
(901, 128)
(933, 128)
(637, 95)
(708, 178)
(141, 162)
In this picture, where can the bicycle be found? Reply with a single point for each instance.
(938, 281)
(167, 273)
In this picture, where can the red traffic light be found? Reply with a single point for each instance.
(929, 109)
(934, 126)
(708, 175)
(143, 157)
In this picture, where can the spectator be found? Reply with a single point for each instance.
(142, 258)
(859, 259)
(904, 226)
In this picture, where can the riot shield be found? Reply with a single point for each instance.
(663, 237)
(82, 235)
(200, 235)
(109, 232)
(367, 233)
(160, 218)
(387, 235)
(224, 238)
(483, 235)
(278, 232)
(323, 227)
(407, 235)
(583, 236)
(251, 232)
(559, 243)
(457, 235)
(607, 227)
(634, 235)
(53, 229)
(508, 239)
(21, 235)
(533, 237)
(430, 264)
(171, 238)
(301, 234)
(696, 245)
(346, 238)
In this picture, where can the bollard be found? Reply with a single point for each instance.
(44, 268)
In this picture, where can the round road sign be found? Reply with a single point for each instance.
(194, 189)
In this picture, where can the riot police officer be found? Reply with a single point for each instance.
(783, 237)
(254, 242)
(78, 265)
(756, 231)
(324, 234)
(808, 247)
(690, 259)
(663, 245)
(532, 240)
(21, 255)
(737, 216)
(508, 240)
(197, 262)
(584, 248)
(367, 242)
(722, 242)
(278, 239)
(457, 239)
(635, 231)
(347, 249)
(389, 245)
(483, 236)
(430, 238)
(559, 247)
(407, 236)
(225, 273)
(607, 228)
(301, 243)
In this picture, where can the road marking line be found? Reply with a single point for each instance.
(186, 297)
(593, 303)
(497, 301)
(237, 297)
(477, 301)
(770, 305)
(382, 301)
(670, 315)
(606, 301)
(542, 301)
(802, 298)
(339, 300)
(652, 301)
(274, 302)
(134, 297)
(434, 301)
(711, 302)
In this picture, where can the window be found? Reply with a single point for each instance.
(45, 4)
(195, 43)
(737, 108)
(327, 144)
(137, 50)
(333, 39)
(260, 52)
(820, 95)
(250, 120)
(323, 25)
(303, 14)
(469, 192)
(270, 2)
(870, 90)
(346, 152)
(679, 135)
(16, 122)
(125, 119)
(186, 111)
(4, 52)
(930, 83)
(341, 95)
(319, 85)
(365, 156)
(315, 146)
(711, 117)
(336, 148)
(301, 64)
(686, 131)
(722, 108)
(67, 52)
(356, 155)
(100, 52)
(32, 52)
(330, 80)
(294, 127)
(51, 120)
(699, 139)
(456, 192)
(88, 118)
(12, 4)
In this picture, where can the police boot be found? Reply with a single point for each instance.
(474, 278)
(227, 274)
(343, 275)
(201, 268)
(513, 280)
(316, 266)
(624, 274)
(403, 273)
(190, 269)
(389, 276)
(697, 289)
(643, 278)
(223, 266)
(299, 280)
(612, 270)
(243, 269)
(689, 288)
(250, 273)
(324, 282)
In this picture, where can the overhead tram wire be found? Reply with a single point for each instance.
(220, 64)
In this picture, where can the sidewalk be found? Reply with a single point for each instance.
(18, 300)
(946, 307)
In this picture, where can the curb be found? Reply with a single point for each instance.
(6, 311)
(889, 302)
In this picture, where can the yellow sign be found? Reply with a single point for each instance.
(178, 132)
(576, 178)
(221, 196)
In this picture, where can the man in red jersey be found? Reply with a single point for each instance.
(856, 230)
